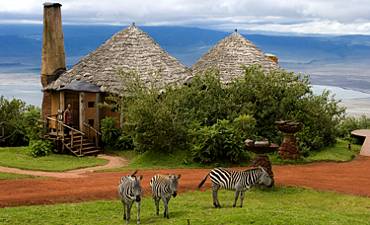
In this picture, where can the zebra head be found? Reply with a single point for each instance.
(265, 178)
(136, 188)
(174, 180)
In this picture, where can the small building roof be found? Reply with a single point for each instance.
(230, 55)
(130, 50)
(80, 86)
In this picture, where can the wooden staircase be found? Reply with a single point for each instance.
(77, 142)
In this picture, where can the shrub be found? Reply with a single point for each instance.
(173, 118)
(352, 123)
(20, 122)
(109, 131)
(31, 123)
(124, 142)
(222, 142)
(40, 148)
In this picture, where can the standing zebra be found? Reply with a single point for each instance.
(163, 186)
(129, 190)
(240, 181)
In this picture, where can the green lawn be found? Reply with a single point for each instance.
(285, 206)
(18, 157)
(10, 176)
(339, 153)
(149, 160)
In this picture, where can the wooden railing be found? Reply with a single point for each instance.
(60, 133)
(96, 133)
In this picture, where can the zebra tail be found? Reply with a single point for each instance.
(204, 180)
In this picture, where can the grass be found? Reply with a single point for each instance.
(11, 176)
(150, 160)
(18, 157)
(338, 153)
(281, 205)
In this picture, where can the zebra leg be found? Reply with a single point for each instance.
(165, 203)
(129, 205)
(138, 212)
(215, 188)
(241, 198)
(236, 197)
(124, 210)
(156, 201)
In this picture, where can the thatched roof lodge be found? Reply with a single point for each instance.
(88, 83)
(230, 55)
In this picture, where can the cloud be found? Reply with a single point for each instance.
(302, 16)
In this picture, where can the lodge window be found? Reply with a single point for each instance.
(91, 104)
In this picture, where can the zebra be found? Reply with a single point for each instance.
(240, 181)
(129, 190)
(163, 186)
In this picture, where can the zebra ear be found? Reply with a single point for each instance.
(260, 167)
(134, 173)
(178, 176)
(140, 177)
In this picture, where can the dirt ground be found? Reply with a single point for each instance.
(350, 177)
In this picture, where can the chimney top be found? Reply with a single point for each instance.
(51, 4)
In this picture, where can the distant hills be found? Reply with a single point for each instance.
(20, 48)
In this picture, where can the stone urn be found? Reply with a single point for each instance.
(261, 148)
(289, 148)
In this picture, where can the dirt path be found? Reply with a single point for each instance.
(351, 178)
(113, 162)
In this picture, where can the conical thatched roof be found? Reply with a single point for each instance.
(130, 50)
(230, 55)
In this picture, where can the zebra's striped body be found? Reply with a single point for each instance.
(129, 191)
(240, 181)
(163, 186)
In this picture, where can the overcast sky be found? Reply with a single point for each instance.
(298, 16)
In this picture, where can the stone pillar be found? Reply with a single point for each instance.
(289, 148)
(53, 56)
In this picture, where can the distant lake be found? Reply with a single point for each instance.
(340, 93)
(27, 86)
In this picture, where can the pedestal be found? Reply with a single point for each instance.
(289, 149)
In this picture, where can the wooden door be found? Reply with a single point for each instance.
(73, 99)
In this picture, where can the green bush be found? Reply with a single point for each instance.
(20, 122)
(221, 143)
(350, 124)
(173, 118)
(109, 131)
(124, 142)
(40, 148)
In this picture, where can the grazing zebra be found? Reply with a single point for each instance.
(163, 186)
(240, 181)
(129, 190)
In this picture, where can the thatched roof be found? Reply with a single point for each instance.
(230, 55)
(130, 50)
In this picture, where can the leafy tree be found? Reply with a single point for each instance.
(203, 116)
(21, 122)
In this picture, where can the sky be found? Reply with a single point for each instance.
(283, 16)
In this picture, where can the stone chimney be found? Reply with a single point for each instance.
(53, 56)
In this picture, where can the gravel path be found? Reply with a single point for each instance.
(350, 178)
